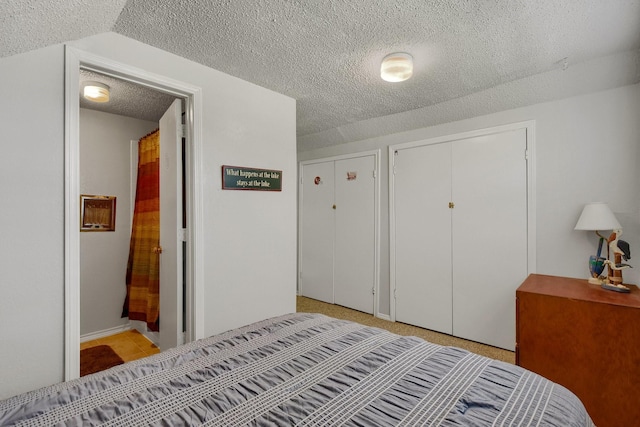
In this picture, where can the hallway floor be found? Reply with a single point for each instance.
(129, 345)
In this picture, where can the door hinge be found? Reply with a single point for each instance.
(373, 291)
(183, 131)
(182, 235)
(395, 154)
(526, 154)
(374, 173)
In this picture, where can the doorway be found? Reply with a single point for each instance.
(75, 60)
(104, 163)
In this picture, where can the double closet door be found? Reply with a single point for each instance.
(337, 231)
(460, 233)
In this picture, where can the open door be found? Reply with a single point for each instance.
(171, 232)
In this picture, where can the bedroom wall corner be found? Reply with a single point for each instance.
(586, 150)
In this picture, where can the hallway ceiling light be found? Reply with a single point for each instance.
(396, 67)
(96, 92)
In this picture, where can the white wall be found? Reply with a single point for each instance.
(31, 220)
(105, 151)
(588, 149)
(249, 238)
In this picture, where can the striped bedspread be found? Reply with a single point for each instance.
(304, 369)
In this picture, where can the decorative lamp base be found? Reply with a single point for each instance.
(616, 288)
(597, 280)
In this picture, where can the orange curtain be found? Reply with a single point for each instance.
(143, 269)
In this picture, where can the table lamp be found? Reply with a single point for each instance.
(597, 217)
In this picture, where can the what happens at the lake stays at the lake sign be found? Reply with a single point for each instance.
(243, 178)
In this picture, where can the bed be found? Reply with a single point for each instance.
(304, 369)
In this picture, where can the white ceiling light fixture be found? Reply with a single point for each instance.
(396, 67)
(96, 92)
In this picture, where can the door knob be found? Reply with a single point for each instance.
(157, 250)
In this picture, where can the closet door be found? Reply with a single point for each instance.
(489, 235)
(354, 259)
(422, 192)
(317, 231)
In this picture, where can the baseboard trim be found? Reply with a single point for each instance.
(105, 333)
(153, 337)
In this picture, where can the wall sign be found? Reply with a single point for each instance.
(243, 178)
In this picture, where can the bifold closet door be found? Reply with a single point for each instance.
(489, 235)
(317, 231)
(422, 192)
(354, 260)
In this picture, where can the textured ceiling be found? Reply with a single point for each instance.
(32, 24)
(127, 99)
(326, 54)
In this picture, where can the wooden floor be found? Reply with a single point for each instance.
(129, 345)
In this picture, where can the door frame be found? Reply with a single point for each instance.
(376, 273)
(192, 95)
(530, 156)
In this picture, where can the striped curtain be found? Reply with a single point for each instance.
(143, 268)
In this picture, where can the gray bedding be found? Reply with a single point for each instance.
(304, 369)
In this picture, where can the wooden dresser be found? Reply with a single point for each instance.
(585, 338)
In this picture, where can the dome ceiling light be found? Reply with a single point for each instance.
(396, 67)
(96, 92)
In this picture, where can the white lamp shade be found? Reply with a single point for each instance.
(597, 216)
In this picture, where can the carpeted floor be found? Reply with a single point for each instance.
(308, 305)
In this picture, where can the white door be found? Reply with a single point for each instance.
(171, 260)
(489, 235)
(354, 256)
(422, 192)
(317, 231)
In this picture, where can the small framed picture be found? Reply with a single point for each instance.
(97, 213)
